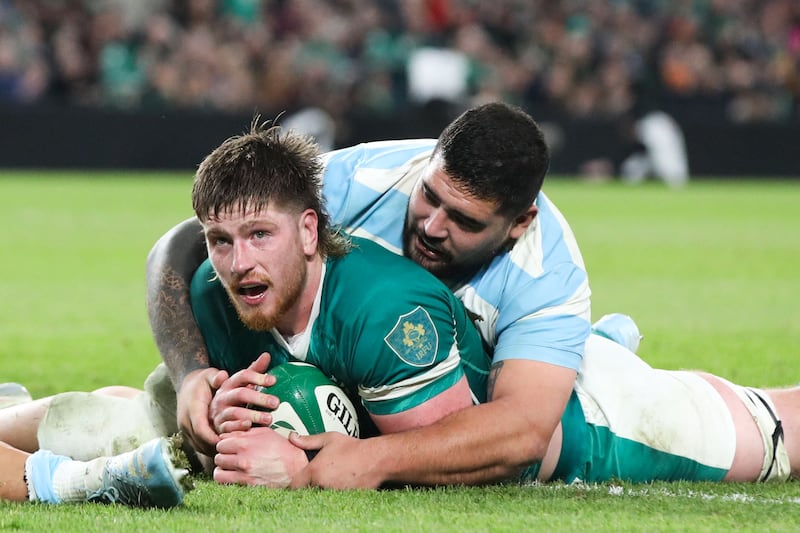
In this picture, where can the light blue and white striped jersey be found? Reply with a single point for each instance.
(532, 302)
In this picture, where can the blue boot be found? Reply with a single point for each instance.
(146, 476)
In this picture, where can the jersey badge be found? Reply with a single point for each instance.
(414, 338)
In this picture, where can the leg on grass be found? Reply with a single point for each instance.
(12, 474)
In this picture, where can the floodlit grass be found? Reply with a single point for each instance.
(708, 272)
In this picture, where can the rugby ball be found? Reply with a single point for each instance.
(310, 402)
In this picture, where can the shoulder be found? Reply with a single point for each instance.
(378, 154)
(204, 279)
(548, 244)
(371, 282)
(371, 265)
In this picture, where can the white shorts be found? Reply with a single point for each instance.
(637, 414)
(629, 421)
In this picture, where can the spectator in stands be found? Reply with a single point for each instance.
(740, 58)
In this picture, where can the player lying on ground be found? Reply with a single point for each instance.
(469, 209)
(655, 424)
(284, 282)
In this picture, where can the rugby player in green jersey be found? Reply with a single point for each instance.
(279, 280)
(469, 208)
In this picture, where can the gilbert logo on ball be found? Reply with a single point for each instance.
(310, 402)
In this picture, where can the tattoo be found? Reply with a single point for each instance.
(174, 329)
(493, 373)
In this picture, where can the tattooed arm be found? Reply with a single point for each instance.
(170, 266)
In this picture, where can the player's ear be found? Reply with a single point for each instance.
(521, 222)
(308, 231)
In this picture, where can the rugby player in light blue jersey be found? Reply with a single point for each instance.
(468, 208)
(525, 286)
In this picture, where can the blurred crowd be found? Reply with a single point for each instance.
(587, 58)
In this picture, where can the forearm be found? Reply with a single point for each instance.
(478, 445)
(170, 266)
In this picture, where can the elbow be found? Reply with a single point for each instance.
(530, 444)
(532, 449)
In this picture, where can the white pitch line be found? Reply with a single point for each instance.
(618, 490)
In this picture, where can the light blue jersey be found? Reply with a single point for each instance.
(532, 302)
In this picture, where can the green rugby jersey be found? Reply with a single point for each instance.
(387, 330)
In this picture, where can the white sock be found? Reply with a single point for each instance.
(75, 481)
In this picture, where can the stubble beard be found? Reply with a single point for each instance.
(258, 319)
(450, 271)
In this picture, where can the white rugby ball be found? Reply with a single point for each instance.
(310, 402)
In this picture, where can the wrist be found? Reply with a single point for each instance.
(382, 460)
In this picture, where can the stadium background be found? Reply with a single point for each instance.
(709, 272)
(158, 83)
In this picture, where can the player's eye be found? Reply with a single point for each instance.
(470, 226)
(431, 198)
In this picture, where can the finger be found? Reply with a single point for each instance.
(238, 380)
(234, 425)
(308, 442)
(261, 399)
(201, 425)
(243, 398)
(228, 460)
(261, 364)
(248, 378)
(202, 438)
(217, 379)
(214, 377)
(230, 414)
(258, 419)
(229, 477)
(230, 446)
(237, 414)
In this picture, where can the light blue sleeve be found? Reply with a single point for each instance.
(535, 300)
(543, 321)
(340, 168)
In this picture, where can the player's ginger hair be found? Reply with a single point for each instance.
(266, 165)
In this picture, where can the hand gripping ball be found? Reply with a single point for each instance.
(310, 402)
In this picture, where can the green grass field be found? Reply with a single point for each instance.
(710, 273)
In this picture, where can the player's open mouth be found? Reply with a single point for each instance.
(252, 293)
(429, 251)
